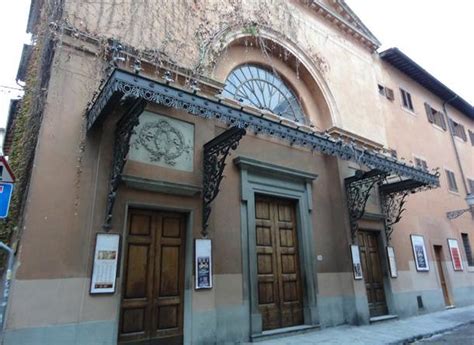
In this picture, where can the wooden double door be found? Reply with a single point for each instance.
(280, 299)
(153, 282)
(372, 271)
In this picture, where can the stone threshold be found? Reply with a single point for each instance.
(383, 318)
(283, 332)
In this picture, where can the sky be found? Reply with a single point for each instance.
(436, 34)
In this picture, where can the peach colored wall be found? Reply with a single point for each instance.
(412, 135)
(66, 201)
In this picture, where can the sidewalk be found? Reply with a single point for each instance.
(390, 332)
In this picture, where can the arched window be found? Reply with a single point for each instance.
(256, 86)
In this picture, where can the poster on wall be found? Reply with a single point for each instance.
(104, 271)
(419, 252)
(455, 254)
(356, 265)
(203, 264)
(392, 263)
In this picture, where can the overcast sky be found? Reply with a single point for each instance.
(437, 34)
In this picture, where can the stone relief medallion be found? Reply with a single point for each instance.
(163, 141)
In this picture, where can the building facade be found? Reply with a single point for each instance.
(241, 169)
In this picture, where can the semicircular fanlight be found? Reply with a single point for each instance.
(256, 86)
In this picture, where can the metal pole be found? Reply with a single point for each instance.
(6, 287)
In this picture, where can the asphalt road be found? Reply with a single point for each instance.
(463, 335)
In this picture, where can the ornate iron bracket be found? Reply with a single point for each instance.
(123, 132)
(358, 190)
(393, 206)
(457, 213)
(215, 153)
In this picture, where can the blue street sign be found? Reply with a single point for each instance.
(6, 190)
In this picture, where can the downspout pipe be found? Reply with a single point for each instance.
(6, 288)
(453, 141)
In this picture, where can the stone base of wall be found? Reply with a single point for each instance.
(84, 333)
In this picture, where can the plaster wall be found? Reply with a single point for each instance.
(71, 172)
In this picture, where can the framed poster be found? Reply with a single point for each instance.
(455, 254)
(392, 263)
(203, 264)
(419, 252)
(104, 271)
(356, 265)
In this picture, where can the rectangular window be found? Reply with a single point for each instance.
(434, 116)
(457, 129)
(470, 183)
(387, 92)
(421, 163)
(467, 249)
(452, 185)
(471, 136)
(406, 99)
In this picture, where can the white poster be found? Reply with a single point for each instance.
(392, 263)
(104, 271)
(356, 265)
(203, 264)
(419, 252)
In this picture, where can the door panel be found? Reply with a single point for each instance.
(372, 271)
(152, 299)
(279, 285)
(442, 279)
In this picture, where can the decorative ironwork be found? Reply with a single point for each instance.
(358, 188)
(215, 153)
(263, 89)
(393, 206)
(457, 213)
(123, 132)
(122, 83)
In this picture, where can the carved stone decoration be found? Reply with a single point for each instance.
(123, 133)
(393, 206)
(215, 153)
(163, 141)
(358, 190)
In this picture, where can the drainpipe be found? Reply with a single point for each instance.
(453, 141)
(6, 288)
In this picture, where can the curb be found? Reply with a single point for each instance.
(414, 338)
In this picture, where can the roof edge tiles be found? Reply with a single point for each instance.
(409, 67)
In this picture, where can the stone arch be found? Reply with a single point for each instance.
(231, 48)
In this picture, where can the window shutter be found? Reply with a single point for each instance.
(441, 117)
(471, 185)
(471, 136)
(410, 104)
(462, 132)
(389, 93)
(429, 113)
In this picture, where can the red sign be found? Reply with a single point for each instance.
(455, 254)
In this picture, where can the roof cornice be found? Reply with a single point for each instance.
(346, 20)
(404, 64)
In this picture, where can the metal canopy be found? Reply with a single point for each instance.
(393, 197)
(122, 84)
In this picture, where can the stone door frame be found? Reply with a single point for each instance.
(262, 178)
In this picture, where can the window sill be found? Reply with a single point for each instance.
(438, 128)
(461, 140)
(409, 111)
(453, 192)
